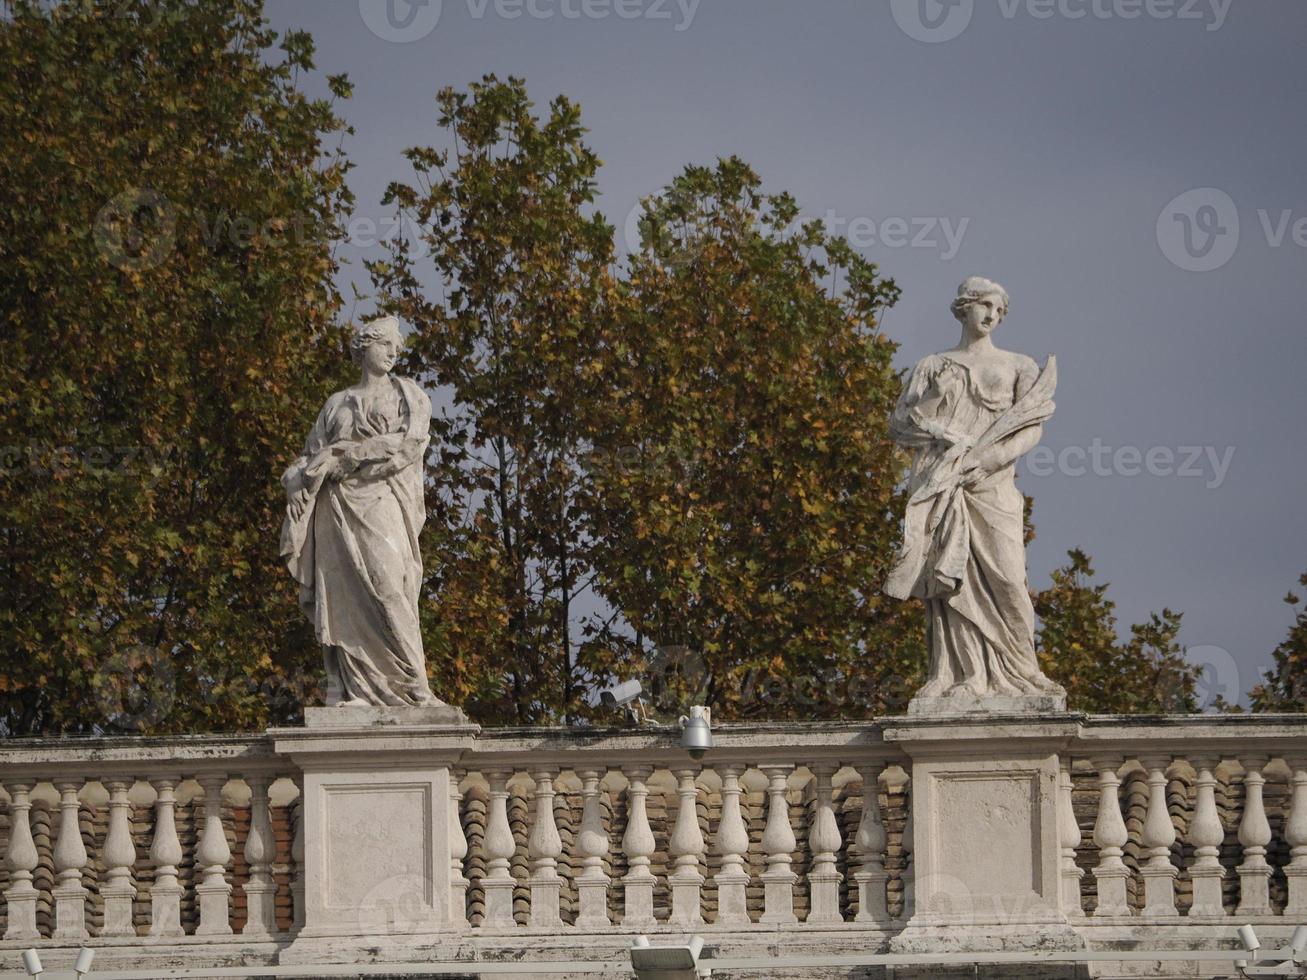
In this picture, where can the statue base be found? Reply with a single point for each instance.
(377, 809)
(987, 858)
(371, 716)
(964, 705)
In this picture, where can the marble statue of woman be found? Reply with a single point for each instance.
(354, 509)
(968, 414)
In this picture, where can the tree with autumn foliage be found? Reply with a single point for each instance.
(512, 331)
(168, 202)
(1079, 648)
(743, 499)
(1284, 687)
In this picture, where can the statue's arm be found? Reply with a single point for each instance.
(384, 456)
(1009, 450)
(299, 476)
(294, 477)
(907, 426)
(1019, 443)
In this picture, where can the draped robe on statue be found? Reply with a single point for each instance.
(352, 544)
(963, 550)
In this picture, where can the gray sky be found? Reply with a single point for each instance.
(1042, 143)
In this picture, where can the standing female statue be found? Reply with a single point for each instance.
(969, 413)
(354, 509)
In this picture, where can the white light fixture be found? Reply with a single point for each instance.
(696, 731)
(83, 965)
(32, 963)
(668, 962)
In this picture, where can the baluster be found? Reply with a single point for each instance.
(1110, 836)
(592, 884)
(869, 841)
(165, 855)
(1295, 833)
(732, 843)
(298, 880)
(500, 848)
(544, 848)
(638, 844)
(120, 858)
(1158, 836)
(69, 859)
(21, 860)
(260, 849)
(824, 840)
(213, 855)
(686, 846)
(1254, 835)
(778, 842)
(458, 882)
(1206, 835)
(1069, 838)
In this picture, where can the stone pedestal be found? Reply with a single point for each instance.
(985, 848)
(376, 823)
(383, 716)
(990, 706)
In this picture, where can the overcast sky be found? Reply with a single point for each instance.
(1042, 143)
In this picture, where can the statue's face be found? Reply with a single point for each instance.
(380, 355)
(984, 314)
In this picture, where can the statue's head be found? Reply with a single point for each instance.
(377, 342)
(981, 305)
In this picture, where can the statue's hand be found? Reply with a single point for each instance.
(958, 442)
(980, 466)
(297, 504)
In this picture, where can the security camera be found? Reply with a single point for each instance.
(696, 731)
(1248, 936)
(1298, 942)
(629, 696)
(32, 963)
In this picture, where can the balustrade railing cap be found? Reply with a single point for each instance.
(131, 755)
(1200, 736)
(984, 733)
(794, 743)
(426, 744)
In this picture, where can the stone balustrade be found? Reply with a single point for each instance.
(196, 850)
(127, 841)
